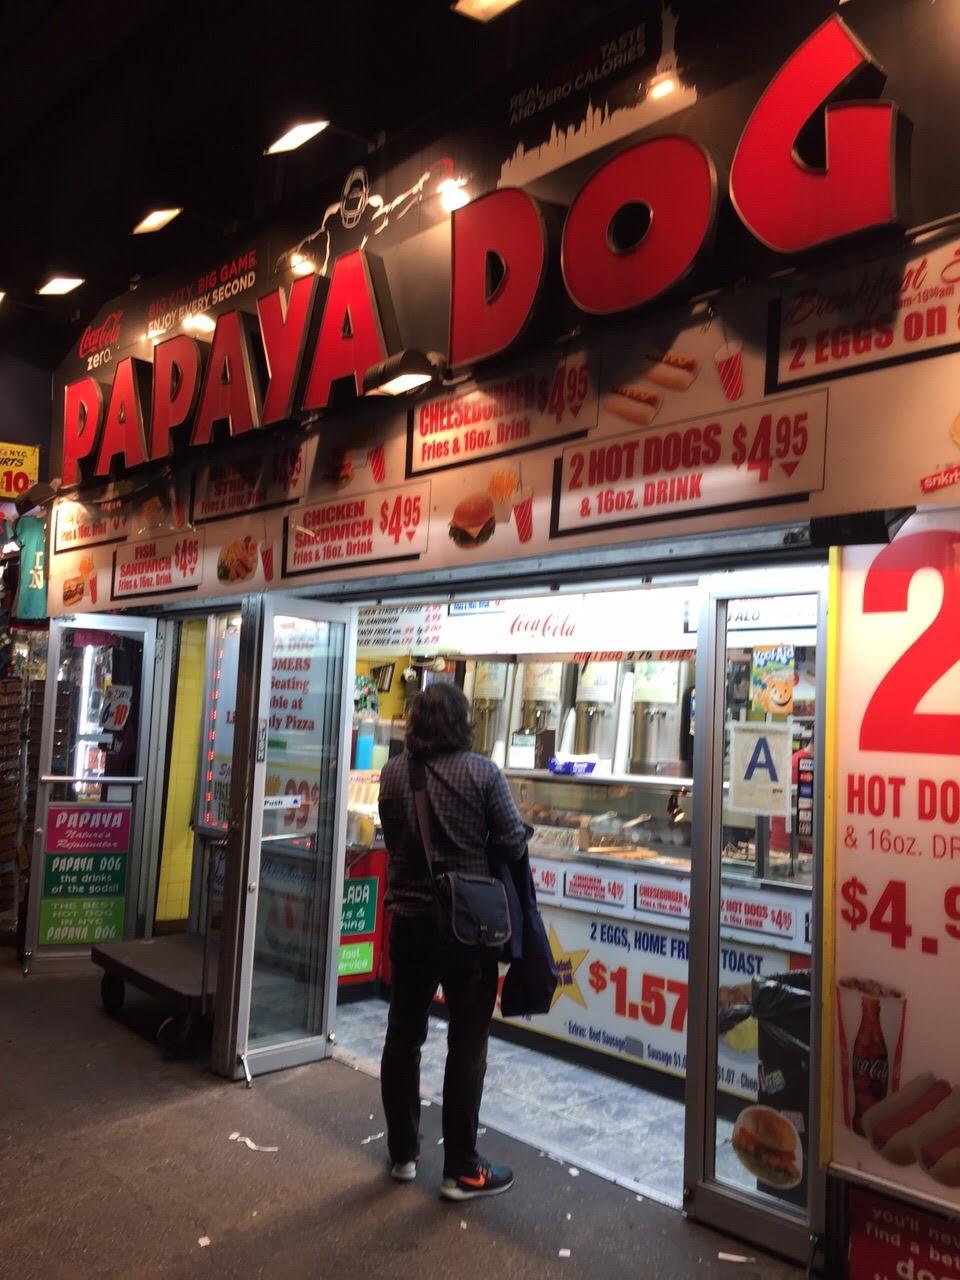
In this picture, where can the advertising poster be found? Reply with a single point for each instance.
(896, 1104)
(889, 1241)
(304, 669)
(772, 679)
(223, 716)
(623, 991)
(84, 873)
(19, 469)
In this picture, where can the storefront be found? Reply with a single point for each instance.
(614, 536)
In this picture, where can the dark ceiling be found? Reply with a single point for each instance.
(108, 110)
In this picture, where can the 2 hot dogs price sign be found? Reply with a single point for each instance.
(897, 1088)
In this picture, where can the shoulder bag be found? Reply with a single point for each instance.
(470, 912)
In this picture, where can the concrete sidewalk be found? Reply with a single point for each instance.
(116, 1162)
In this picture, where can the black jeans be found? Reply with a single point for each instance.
(470, 994)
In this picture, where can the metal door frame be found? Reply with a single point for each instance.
(706, 1199)
(231, 1053)
(146, 629)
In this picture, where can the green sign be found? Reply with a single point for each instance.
(358, 913)
(81, 921)
(355, 957)
(84, 875)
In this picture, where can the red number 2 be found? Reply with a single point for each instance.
(891, 721)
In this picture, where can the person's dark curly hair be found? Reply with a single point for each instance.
(439, 722)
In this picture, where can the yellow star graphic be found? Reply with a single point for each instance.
(568, 962)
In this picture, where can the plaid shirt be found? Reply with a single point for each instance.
(471, 811)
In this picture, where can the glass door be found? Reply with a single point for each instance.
(753, 1060)
(86, 868)
(283, 873)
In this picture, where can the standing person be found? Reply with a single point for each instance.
(472, 816)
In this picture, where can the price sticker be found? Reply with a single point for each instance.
(660, 1000)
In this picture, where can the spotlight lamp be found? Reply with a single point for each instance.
(403, 372)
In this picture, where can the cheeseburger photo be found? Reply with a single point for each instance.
(474, 520)
(768, 1145)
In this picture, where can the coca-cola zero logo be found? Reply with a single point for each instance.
(96, 340)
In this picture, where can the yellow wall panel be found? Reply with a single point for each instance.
(176, 856)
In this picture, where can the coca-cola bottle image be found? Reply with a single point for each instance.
(870, 1063)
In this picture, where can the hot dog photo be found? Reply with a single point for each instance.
(673, 369)
(639, 399)
(633, 402)
(920, 1123)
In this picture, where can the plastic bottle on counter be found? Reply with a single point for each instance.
(381, 744)
(363, 758)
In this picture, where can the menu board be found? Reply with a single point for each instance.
(896, 1104)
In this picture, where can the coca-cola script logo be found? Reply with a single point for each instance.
(538, 625)
(104, 335)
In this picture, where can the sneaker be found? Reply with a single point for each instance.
(404, 1171)
(484, 1179)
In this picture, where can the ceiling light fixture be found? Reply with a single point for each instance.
(483, 10)
(200, 322)
(155, 221)
(403, 372)
(58, 285)
(3, 294)
(296, 137)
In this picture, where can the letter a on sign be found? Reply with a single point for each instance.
(761, 759)
(760, 767)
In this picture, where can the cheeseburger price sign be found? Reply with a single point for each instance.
(897, 1087)
(534, 408)
(151, 413)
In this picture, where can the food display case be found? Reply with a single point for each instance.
(611, 857)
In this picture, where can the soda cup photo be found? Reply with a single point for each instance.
(378, 463)
(870, 1024)
(523, 513)
(729, 362)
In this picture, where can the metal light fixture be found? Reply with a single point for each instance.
(296, 136)
(156, 220)
(40, 494)
(405, 371)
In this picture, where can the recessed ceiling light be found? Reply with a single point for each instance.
(483, 10)
(296, 137)
(3, 294)
(60, 284)
(155, 220)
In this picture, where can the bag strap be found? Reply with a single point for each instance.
(418, 781)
